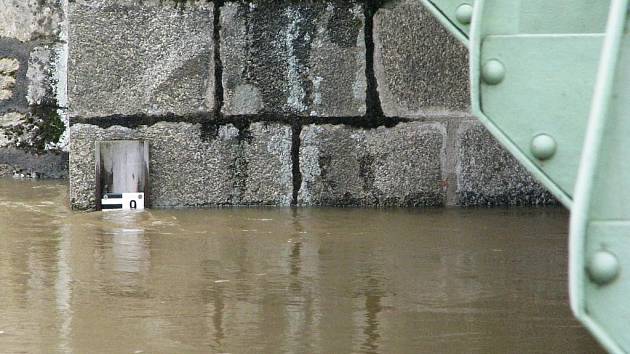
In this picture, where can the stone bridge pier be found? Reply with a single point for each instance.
(255, 102)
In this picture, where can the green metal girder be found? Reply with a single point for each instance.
(550, 69)
(600, 218)
(551, 81)
(544, 91)
(549, 52)
(453, 14)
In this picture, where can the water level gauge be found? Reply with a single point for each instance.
(122, 174)
(122, 201)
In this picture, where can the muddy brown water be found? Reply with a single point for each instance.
(281, 280)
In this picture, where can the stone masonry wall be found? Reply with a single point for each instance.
(33, 120)
(260, 102)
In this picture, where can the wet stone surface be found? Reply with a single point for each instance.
(27, 20)
(150, 57)
(43, 85)
(288, 57)
(17, 162)
(421, 69)
(8, 122)
(31, 116)
(8, 71)
(14, 57)
(400, 166)
(231, 168)
(489, 176)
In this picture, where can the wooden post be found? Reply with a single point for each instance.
(122, 166)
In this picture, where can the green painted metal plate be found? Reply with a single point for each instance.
(600, 218)
(548, 52)
(551, 80)
(608, 306)
(547, 89)
(455, 15)
(501, 17)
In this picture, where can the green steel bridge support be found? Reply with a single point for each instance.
(551, 81)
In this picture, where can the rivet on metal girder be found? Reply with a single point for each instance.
(464, 13)
(493, 72)
(543, 147)
(603, 267)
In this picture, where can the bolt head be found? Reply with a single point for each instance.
(543, 147)
(493, 72)
(463, 14)
(603, 267)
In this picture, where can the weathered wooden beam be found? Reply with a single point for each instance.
(122, 166)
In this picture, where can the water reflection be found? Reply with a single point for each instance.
(272, 281)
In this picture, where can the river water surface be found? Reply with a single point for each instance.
(281, 280)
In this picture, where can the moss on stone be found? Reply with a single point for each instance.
(51, 129)
(40, 128)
